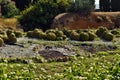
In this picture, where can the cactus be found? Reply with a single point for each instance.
(59, 33)
(18, 33)
(51, 36)
(29, 34)
(12, 38)
(100, 31)
(115, 32)
(50, 31)
(108, 36)
(84, 36)
(1, 42)
(74, 35)
(91, 36)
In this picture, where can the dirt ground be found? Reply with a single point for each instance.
(96, 19)
(73, 21)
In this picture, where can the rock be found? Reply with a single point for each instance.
(54, 55)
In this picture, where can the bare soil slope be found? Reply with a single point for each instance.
(96, 19)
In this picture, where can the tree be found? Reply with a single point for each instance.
(115, 5)
(22, 4)
(83, 7)
(104, 5)
(8, 8)
(42, 14)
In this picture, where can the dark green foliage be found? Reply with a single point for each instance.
(83, 7)
(104, 5)
(115, 5)
(8, 8)
(22, 4)
(42, 14)
(84, 36)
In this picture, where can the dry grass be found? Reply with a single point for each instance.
(8, 23)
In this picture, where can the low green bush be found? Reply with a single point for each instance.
(84, 36)
(74, 35)
(18, 33)
(59, 33)
(91, 36)
(12, 38)
(100, 31)
(51, 36)
(1, 42)
(115, 32)
(108, 37)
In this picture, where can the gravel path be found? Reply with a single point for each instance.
(25, 49)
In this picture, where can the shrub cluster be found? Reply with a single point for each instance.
(104, 34)
(50, 34)
(8, 8)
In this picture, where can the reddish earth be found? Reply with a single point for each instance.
(96, 19)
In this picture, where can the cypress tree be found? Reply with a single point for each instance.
(104, 5)
(115, 5)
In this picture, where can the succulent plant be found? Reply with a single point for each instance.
(18, 33)
(84, 36)
(100, 31)
(91, 36)
(59, 33)
(1, 42)
(74, 35)
(51, 36)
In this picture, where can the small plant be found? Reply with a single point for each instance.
(51, 36)
(12, 38)
(59, 33)
(84, 36)
(108, 37)
(115, 32)
(74, 35)
(100, 31)
(91, 36)
(18, 33)
(29, 34)
(50, 30)
(1, 42)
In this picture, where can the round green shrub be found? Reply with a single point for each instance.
(50, 31)
(84, 36)
(64, 37)
(74, 35)
(29, 34)
(108, 37)
(12, 38)
(5, 38)
(51, 36)
(1, 42)
(8, 32)
(115, 32)
(37, 34)
(18, 33)
(91, 36)
(100, 31)
(59, 33)
(59, 38)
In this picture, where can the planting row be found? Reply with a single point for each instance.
(10, 36)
